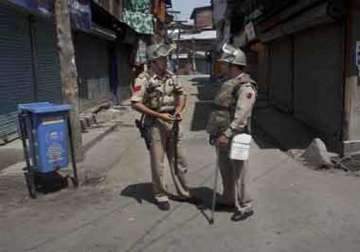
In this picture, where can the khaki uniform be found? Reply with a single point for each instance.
(233, 106)
(160, 95)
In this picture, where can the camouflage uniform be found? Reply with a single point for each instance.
(160, 95)
(233, 107)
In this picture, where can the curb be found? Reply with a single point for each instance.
(93, 142)
(86, 147)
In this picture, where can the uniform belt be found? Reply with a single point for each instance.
(172, 111)
(221, 108)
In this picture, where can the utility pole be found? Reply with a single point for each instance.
(68, 71)
(193, 55)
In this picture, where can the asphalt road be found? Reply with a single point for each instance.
(297, 209)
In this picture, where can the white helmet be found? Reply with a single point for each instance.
(159, 50)
(233, 55)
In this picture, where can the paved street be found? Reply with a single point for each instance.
(297, 209)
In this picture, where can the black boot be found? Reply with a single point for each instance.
(240, 214)
(164, 205)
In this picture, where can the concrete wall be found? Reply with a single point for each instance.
(204, 19)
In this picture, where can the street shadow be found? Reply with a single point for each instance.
(206, 87)
(50, 182)
(206, 90)
(206, 195)
(140, 192)
(200, 116)
(262, 140)
(272, 128)
(10, 156)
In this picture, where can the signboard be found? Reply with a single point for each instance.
(41, 6)
(250, 31)
(80, 12)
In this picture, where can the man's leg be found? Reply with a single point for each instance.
(242, 181)
(226, 171)
(243, 200)
(179, 179)
(157, 155)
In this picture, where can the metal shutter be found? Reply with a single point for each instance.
(318, 80)
(280, 91)
(93, 65)
(16, 72)
(48, 84)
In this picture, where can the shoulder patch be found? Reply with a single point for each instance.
(137, 88)
(143, 75)
(249, 85)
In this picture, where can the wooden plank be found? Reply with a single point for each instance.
(311, 18)
(286, 14)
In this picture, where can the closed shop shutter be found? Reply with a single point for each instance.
(48, 84)
(124, 71)
(318, 81)
(16, 72)
(93, 64)
(280, 90)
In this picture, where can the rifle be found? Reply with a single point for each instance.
(143, 131)
(175, 131)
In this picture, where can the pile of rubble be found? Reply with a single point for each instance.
(99, 115)
(317, 156)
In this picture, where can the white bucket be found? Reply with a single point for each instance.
(240, 146)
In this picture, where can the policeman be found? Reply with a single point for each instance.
(233, 106)
(158, 95)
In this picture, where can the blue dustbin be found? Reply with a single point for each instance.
(45, 131)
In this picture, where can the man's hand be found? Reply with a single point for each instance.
(178, 116)
(166, 117)
(222, 141)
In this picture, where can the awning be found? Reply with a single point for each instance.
(181, 56)
(102, 32)
(204, 35)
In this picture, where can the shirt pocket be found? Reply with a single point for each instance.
(218, 122)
